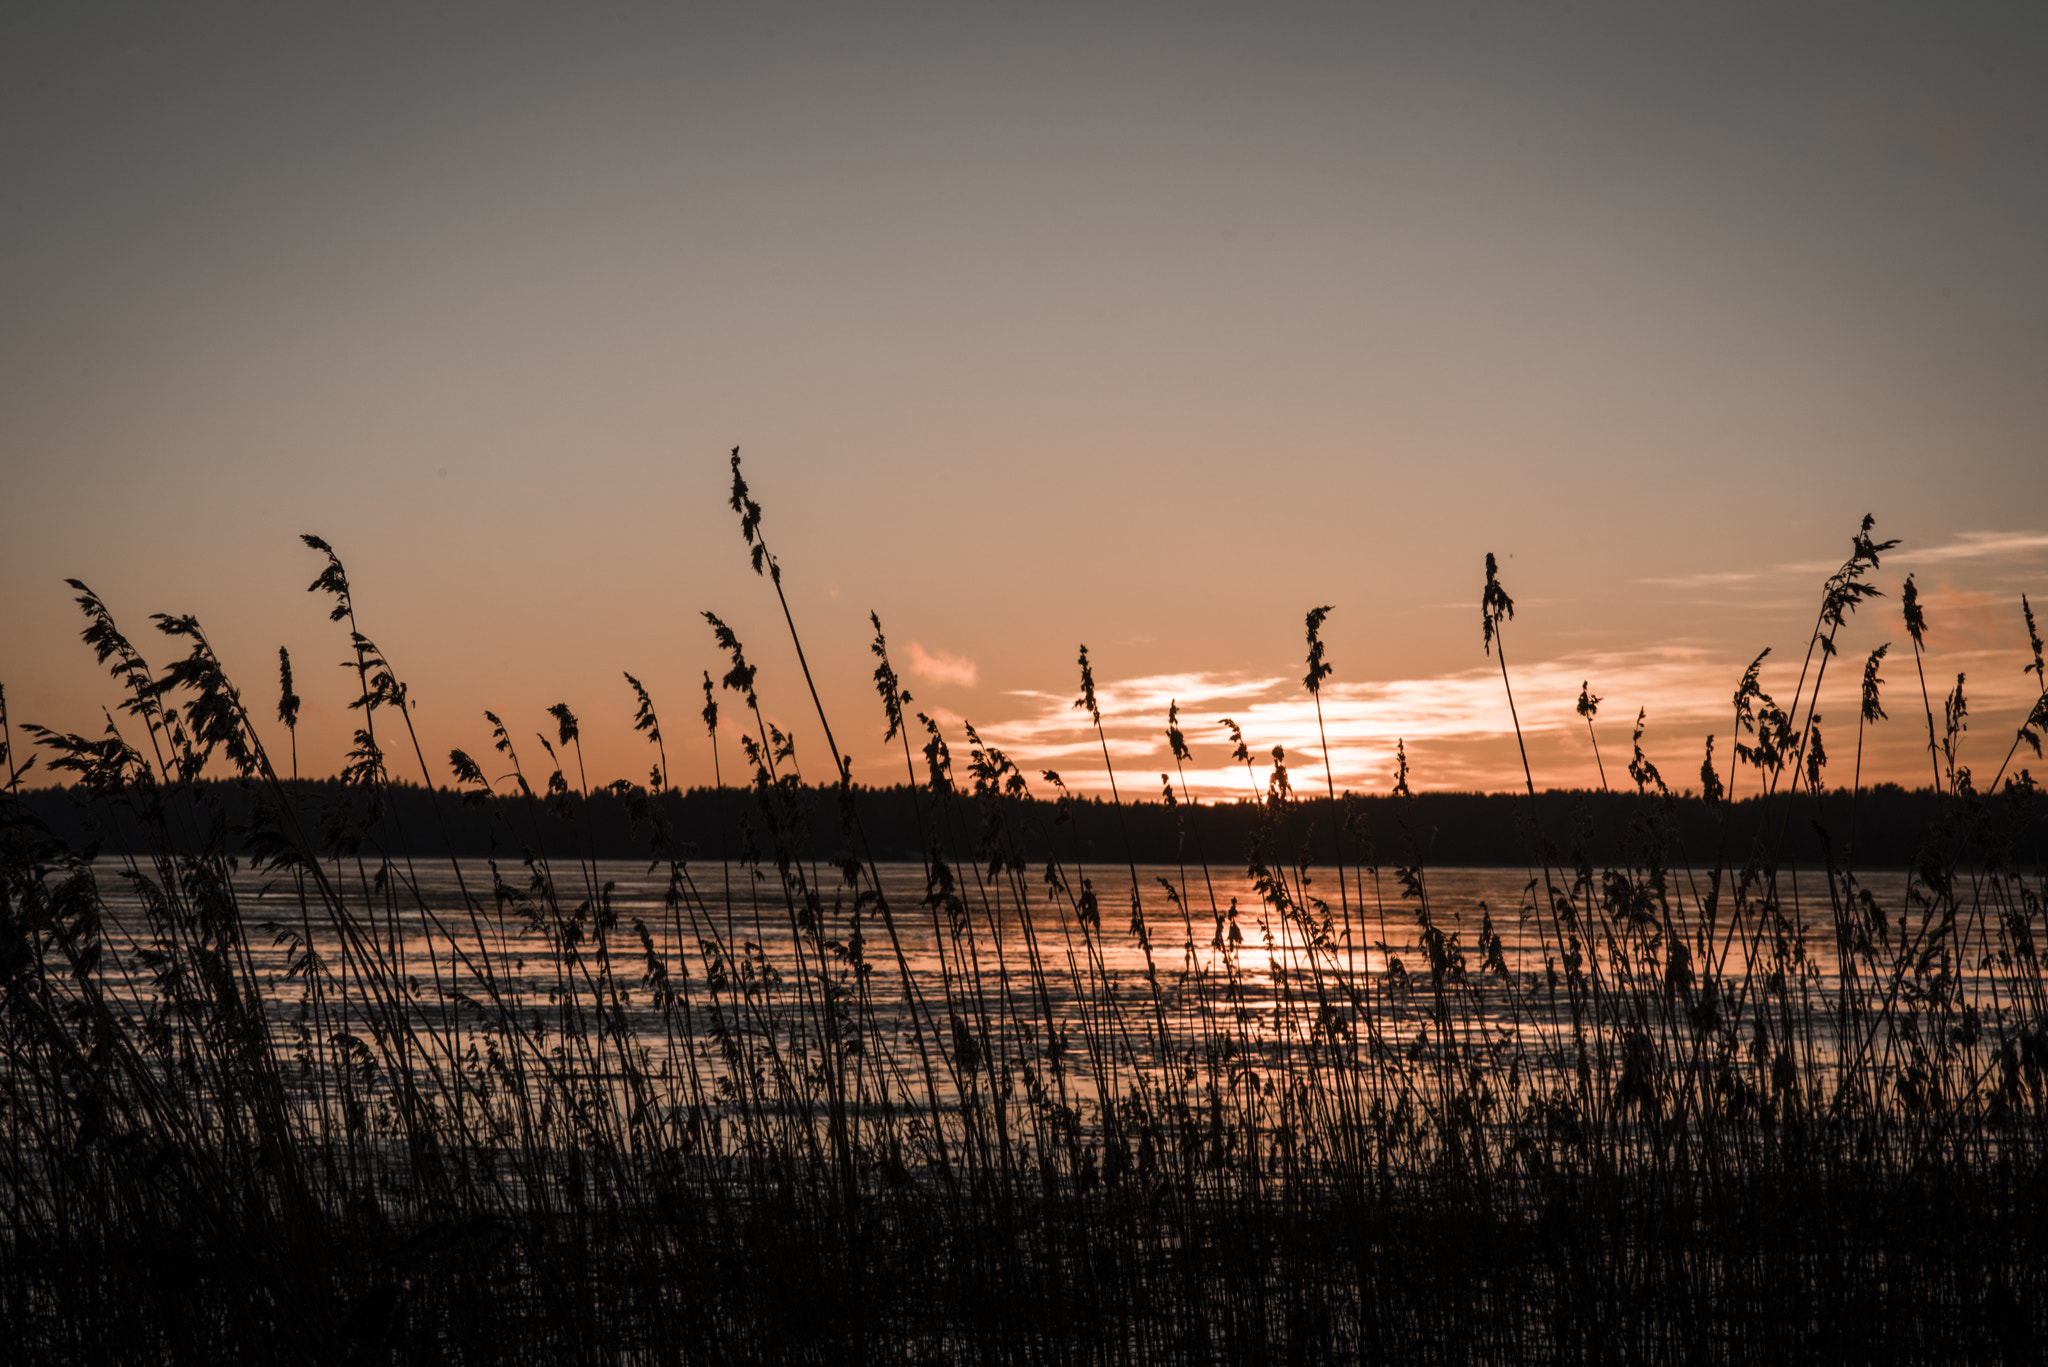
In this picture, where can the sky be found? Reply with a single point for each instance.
(1147, 327)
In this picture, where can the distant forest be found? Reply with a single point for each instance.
(1890, 825)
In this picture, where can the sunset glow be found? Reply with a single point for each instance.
(1045, 685)
(1101, 355)
(1109, 441)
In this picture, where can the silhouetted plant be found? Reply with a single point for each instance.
(269, 1091)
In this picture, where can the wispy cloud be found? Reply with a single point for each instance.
(1362, 721)
(1804, 569)
(1966, 546)
(1460, 721)
(943, 667)
(1981, 545)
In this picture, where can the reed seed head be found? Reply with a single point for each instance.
(466, 770)
(1317, 670)
(1845, 589)
(1748, 691)
(2037, 668)
(1175, 741)
(750, 519)
(893, 694)
(740, 678)
(1816, 754)
(1640, 768)
(1242, 754)
(287, 700)
(566, 721)
(644, 718)
(1087, 699)
(333, 580)
(1495, 606)
(1873, 709)
(2035, 724)
(1916, 620)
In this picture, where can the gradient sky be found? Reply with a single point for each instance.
(1147, 326)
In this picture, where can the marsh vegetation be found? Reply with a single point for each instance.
(278, 1088)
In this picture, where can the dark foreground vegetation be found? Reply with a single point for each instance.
(1699, 1120)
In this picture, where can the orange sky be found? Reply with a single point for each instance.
(1151, 329)
(1455, 723)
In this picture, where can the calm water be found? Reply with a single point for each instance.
(1019, 966)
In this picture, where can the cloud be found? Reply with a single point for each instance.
(1721, 579)
(1966, 546)
(1981, 546)
(1361, 721)
(1457, 727)
(941, 667)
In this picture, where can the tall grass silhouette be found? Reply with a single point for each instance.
(276, 1089)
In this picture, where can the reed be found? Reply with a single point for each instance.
(276, 1087)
